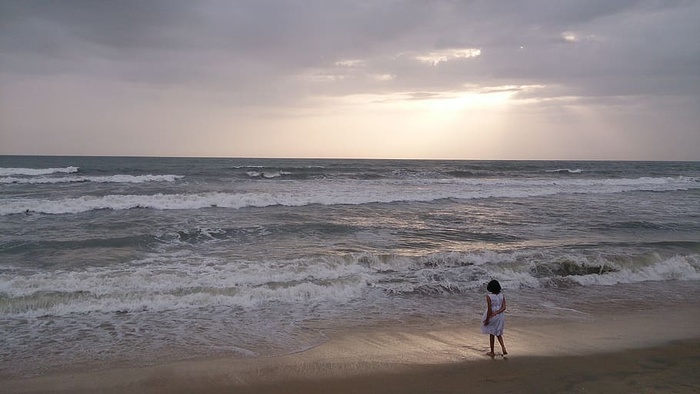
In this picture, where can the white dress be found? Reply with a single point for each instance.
(496, 323)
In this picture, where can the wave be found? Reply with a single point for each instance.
(155, 284)
(180, 282)
(346, 193)
(288, 173)
(95, 179)
(675, 268)
(36, 171)
(566, 171)
(305, 167)
(267, 174)
(156, 242)
(462, 273)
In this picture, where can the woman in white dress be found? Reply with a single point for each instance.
(494, 319)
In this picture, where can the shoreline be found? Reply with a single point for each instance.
(626, 347)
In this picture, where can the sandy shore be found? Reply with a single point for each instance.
(672, 368)
(631, 352)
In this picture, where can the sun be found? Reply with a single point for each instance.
(442, 103)
(414, 124)
(455, 102)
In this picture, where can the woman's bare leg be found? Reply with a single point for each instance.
(491, 342)
(503, 347)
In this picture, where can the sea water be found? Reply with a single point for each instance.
(132, 261)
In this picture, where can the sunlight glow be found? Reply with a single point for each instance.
(460, 100)
(441, 103)
(469, 122)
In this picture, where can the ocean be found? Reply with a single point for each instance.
(136, 261)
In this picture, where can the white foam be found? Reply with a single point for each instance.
(267, 174)
(175, 281)
(350, 193)
(467, 271)
(566, 170)
(260, 166)
(36, 171)
(95, 179)
(675, 268)
(160, 284)
(57, 305)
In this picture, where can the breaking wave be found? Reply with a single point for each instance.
(36, 171)
(95, 179)
(176, 282)
(343, 193)
(566, 171)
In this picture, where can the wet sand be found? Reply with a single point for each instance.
(653, 351)
(672, 368)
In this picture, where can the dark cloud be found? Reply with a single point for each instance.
(125, 24)
(267, 53)
(247, 44)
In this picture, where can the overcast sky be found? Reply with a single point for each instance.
(506, 79)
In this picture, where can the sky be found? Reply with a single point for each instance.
(425, 79)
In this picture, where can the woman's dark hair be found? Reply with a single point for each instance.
(494, 287)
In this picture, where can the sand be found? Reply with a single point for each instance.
(652, 351)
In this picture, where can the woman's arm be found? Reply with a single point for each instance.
(488, 310)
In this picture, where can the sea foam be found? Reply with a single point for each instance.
(345, 193)
(36, 171)
(170, 282)
(95, 179)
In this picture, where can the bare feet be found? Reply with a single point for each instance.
(491, 354)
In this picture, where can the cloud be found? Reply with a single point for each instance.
(235, 55)
(446, 55)
(252, 46)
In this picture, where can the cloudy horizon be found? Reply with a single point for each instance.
(594, 80)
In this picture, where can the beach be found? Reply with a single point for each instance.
(189, 275)
(651, 351)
